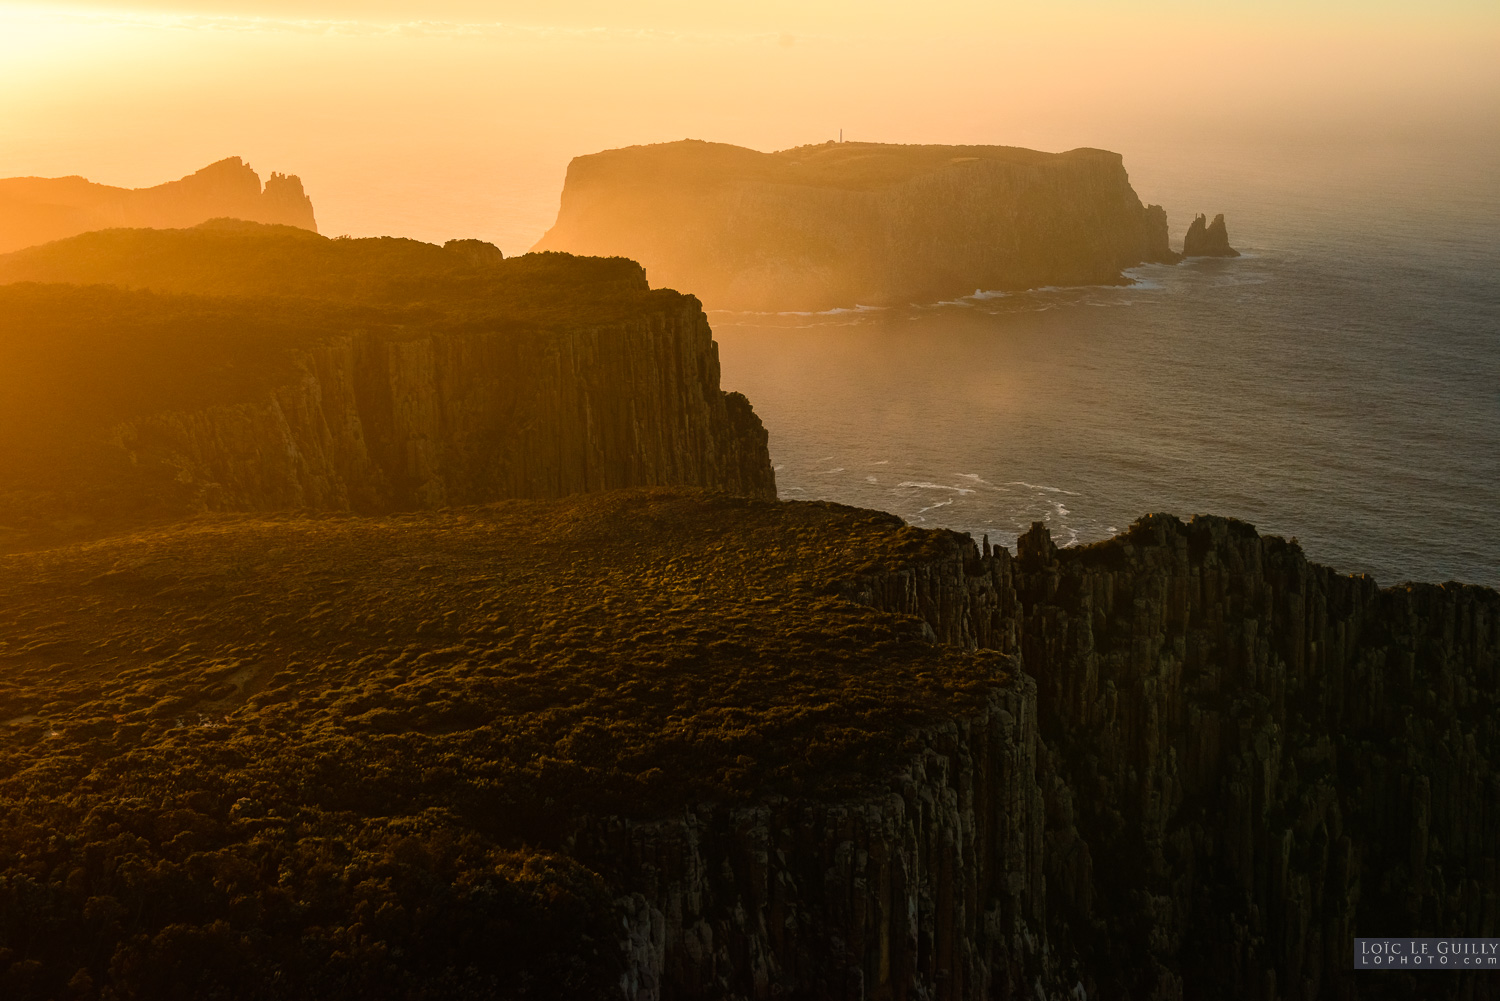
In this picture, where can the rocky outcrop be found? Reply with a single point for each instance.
(1208, 239)
(1229, 763)
(476, 252)
(857, 223)
(39, 209)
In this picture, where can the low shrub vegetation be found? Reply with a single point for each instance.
(340, 757)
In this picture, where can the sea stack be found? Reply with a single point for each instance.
(1208, 239)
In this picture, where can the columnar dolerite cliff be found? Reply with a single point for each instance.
(379, 423)
(527, 378)
(1262, 757)
(936, 888)
(846, 223)
(1232, 762)
(661, 744)
(38, 209)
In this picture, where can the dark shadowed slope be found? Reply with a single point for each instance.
(857, 223)
(39, 209)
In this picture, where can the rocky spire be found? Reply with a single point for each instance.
(1208, 239)
(284, 199)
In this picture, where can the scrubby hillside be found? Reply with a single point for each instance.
(341, 758)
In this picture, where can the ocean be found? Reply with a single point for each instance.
(1339, 383)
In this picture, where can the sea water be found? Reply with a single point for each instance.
(1338, 383)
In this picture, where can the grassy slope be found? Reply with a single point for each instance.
(407, 710)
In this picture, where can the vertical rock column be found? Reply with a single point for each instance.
(377, 422)
(934, 889)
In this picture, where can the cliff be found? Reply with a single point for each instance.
(533, 377)
(1230, 763)
(37, 210)
(663, 745)
(659, 744)
(1208, 239)
(343, 757)
(857, 223)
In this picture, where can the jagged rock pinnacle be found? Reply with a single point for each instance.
(1208, 239)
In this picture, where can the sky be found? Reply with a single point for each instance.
(454, 118)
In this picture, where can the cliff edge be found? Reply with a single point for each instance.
(857, 223)
(37, 210)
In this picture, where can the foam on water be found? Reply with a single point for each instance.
(751, 315)
(933, 486)
(1042, 488)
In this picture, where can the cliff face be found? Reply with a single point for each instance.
(525, 378)
(935, 889)
(1231, 761)
(1208, 239)
(1263, 757)
(866, 223)
(39, 209)
(375, 423)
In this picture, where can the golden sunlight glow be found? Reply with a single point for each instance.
(461, 117)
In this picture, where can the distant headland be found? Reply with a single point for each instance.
(850, 223)
(37, 210)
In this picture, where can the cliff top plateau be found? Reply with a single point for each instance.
(857, 223)
(413, 712)
(40, 209)
(235, 366)
(666, 744)
(853, 166)
(228, 257)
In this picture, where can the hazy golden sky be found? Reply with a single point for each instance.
(458, 118)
